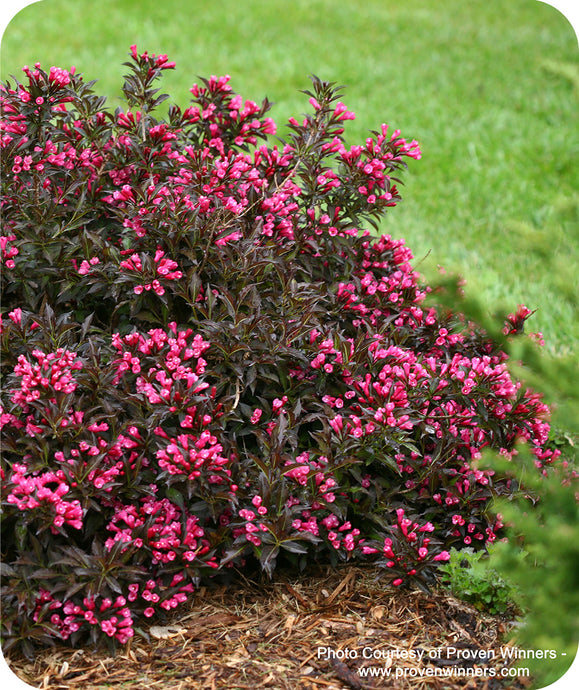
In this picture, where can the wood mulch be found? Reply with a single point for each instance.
(307, 632)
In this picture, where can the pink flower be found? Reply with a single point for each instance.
(86, 265)
(16, 316)
(162, 62)
(255, 417)
(342, 113)
(442, 556)
(278, 404)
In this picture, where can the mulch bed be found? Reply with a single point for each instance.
(295, 633)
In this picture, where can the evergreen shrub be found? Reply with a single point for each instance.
(209, 360)
(539, 557)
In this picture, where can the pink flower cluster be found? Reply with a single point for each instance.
(385, 280)
(190, 455)
(345, 536)
(251, 529)
(8, 252)
(156, 61)
(404, 389)
(304, 468)
(235, 114)
(43, 90)
(211, 181)
(374, 159)
(173, 348)
(53, 370)
(164, 268)
(323, 486)
(409, 547)
(45, 492)
(113, 617)
(171, 535)
(86, 266)
(467, 531)
(55, 157)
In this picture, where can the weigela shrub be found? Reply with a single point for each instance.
(207, 360)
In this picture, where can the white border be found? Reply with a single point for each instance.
(569, 9)
(9, 10)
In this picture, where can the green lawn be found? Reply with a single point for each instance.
(489, 88)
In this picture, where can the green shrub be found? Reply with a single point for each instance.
(541, 557)
(473, 581)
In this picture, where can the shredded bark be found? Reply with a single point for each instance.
(253, 635)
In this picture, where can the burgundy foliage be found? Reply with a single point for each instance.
(207, 361)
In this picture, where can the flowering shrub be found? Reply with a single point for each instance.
(208, 361)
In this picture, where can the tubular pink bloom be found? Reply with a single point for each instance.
(162, 62)
(442, 556)
(427, 527)
(337, 423)
(278, 404)
(16, 316)
(342, 113)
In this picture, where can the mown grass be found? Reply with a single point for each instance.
(488, 87)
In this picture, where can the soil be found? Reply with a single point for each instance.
(321, 631)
